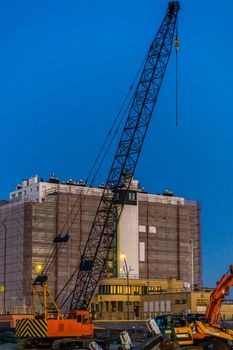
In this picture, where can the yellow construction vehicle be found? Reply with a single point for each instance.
(176, 328)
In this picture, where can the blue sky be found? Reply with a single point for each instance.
(65, 68)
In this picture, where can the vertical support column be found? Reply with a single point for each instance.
(178, 241)
(147, 241)
(45, 302)
(4, 263)
(80, 223)
(200, 274)
(56, 245)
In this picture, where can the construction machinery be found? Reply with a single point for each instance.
(208, 327)
(176, 328)
(52, 324)
(213, 314)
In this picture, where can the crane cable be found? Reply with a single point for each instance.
(104, 145)
(54, 253)
(177, 43)
(50, 261)
(71, 277)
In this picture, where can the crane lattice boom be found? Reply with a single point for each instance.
(101, 236)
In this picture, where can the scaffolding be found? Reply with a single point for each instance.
(171, 235)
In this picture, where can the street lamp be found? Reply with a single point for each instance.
(38, 268)
(192, 247)
(127, 271)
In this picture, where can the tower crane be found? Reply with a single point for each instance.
(100, 239)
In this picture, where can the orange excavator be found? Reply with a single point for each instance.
(210, 326)
(51, 325)
(213, 314)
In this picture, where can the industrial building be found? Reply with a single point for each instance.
(159, 236)
(118, 299)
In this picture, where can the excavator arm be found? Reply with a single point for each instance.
(212, 314)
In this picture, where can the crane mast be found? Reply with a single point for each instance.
(100, 240)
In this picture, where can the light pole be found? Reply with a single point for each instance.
(192, 247)
(127, 271)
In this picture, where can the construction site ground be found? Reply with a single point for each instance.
(109, 330)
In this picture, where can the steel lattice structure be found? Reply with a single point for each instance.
(101, 236)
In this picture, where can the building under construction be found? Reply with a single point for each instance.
(159, 235)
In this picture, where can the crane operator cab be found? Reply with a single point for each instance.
(77, 324)
(82, 320)
(79, 316)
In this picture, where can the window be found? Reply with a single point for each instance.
(85, 319)
(132, 196)
(153, 289)
(119, 289)
(152, 229)
(104, 289)
(120, 306)
(168, 305)
(142, 251)
(151, 306)
(113, 305)
(112, 289)
(157, 306)
(162, 306)
(142, 228)
(127, 290)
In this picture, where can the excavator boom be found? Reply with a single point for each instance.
(212, 314)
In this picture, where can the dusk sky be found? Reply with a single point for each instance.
(66, 67)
